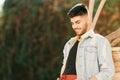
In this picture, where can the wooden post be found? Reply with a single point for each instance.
(116, 59)
(91, 7)
(97, 13)
(114, 38)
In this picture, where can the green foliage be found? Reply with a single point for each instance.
(31, 42)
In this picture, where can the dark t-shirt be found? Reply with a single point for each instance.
(70, 65)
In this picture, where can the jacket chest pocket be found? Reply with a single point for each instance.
(91, 53)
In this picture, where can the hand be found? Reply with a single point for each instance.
(93, 78)
(58, 78)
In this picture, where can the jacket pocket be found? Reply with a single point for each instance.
(91, 52)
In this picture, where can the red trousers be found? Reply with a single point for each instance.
(68, 77)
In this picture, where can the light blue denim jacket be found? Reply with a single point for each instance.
(93, 59)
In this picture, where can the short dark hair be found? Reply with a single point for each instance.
(77, 10)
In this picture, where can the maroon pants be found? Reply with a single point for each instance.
(68, 77)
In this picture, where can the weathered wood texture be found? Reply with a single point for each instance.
(116, 58)
(114, 38)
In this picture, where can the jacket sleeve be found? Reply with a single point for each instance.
(65, 53)
(64, 57)
(105, 60)
(63, 63)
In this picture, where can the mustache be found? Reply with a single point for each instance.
(77, 28)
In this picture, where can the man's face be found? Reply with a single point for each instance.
(79, 24)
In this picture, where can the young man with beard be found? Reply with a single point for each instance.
(87, 56)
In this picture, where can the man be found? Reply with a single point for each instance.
(87, 56)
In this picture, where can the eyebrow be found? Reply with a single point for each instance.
(78, 21)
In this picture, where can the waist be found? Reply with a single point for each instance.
(68, 77)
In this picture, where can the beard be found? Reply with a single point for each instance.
(80, 32)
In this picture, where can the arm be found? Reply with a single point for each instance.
(106, 64)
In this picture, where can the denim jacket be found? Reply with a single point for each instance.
(93, 59)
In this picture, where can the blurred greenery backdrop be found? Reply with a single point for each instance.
(33, 34)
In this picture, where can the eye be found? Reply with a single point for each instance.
(78, 22)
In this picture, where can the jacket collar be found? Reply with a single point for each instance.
(88, 34)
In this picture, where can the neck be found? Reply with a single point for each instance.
(79, 38)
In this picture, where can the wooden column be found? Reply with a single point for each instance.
(116, 58)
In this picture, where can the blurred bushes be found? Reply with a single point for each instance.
(33, 35)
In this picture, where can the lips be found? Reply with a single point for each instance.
(77, 30)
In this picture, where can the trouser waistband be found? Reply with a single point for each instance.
(68, 77)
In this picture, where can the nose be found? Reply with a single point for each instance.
(75, 26)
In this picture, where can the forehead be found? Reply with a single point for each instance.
(76, 18)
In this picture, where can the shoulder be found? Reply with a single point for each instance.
(71, 40)
(68, 43)
(101, 39)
